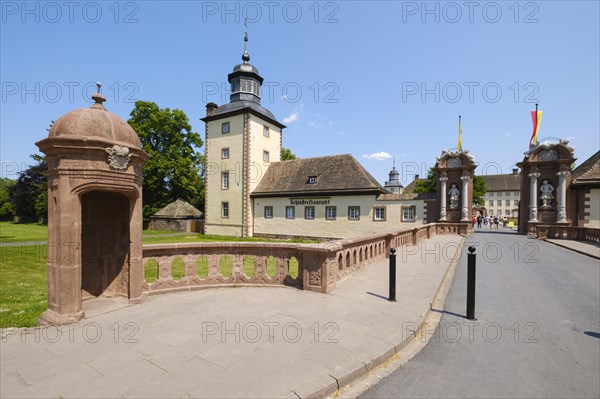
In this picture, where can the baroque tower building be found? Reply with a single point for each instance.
(241, 139)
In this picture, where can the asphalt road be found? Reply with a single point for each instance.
(537, 332)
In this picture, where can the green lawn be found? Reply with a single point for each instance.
(21, 232)
(17, 232)
(23, 292)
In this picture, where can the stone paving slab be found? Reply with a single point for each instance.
(230, 342)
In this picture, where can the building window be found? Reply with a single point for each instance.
(309, 212)
(499, 193)
(507, 212)
(312, 180)
(225, 180)
(491, 212)
(516, 193)
(408, 213)
(290, 212)
(224, 210)
(491, 202)
(354, 212)
(516, 202)
(491, 194)
(268, 212)
(379, 214)
(507, 193)
(266, 156)
(225, 153)
(225, 128)
(266, 131)
(507, 202)
(330, 212)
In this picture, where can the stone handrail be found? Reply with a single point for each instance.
(319, 265)
(568, 233)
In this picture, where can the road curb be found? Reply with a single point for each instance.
(348, 381)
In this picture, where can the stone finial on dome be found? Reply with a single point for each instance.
(98, 97)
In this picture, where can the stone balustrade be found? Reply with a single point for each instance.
(566, 233)
(313, 267)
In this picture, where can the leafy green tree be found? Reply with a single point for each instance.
(479, 190)
(175, 167)
(427, 185)
(287, 154)
(30, 191)
(7, 210)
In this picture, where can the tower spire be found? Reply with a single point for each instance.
(246, 56)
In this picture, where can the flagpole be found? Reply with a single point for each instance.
(537, 121)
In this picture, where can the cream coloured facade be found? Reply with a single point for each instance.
(313, 217)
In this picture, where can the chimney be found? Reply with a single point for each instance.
(515, 171)
(416, 177)
(211, 108)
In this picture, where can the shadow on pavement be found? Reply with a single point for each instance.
(378, 296)
(462, 316)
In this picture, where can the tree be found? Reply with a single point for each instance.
(427, 185)
(30, 191)
(287, 154)
(479, 190)
(7, 210)
(175, 167)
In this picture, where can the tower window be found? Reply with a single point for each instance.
(225, 210)
(225, 180)
(225, 128)
(266, 131)
(225, 153)
(266, 156)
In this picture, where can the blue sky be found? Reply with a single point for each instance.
(373, 79)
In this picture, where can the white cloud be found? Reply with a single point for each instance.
(292, 118)
(315, 124)
(378, 156)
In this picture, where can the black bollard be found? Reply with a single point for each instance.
(392, 275)
(471, 284)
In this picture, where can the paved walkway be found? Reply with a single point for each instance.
(230, 342)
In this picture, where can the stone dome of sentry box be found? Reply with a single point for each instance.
(95, 122)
